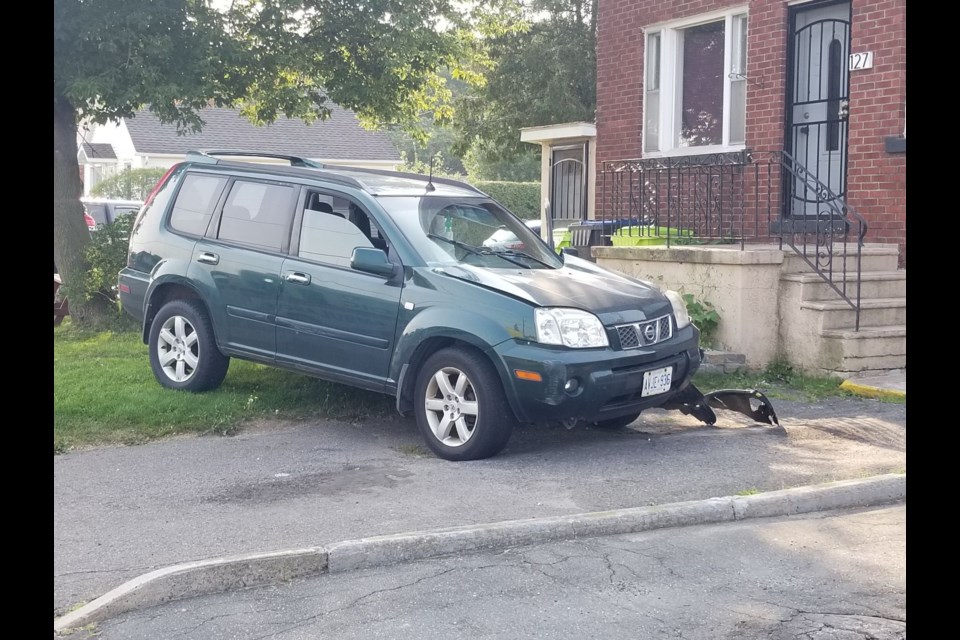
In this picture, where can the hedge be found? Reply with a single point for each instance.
(522, 198)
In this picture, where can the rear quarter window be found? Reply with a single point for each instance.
(195, 203)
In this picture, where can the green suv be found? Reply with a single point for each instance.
(382, 280)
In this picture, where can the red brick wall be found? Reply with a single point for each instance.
(620, 67)
(767, 25)
(876, 179)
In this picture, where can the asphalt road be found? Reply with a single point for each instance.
(825, 576)
(122, 511)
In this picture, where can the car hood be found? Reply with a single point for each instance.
(613, 297)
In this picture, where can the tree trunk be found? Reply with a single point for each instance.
(70, 234)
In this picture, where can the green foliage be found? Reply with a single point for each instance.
(533, 63)
(779, 379)
(271, 57)
(487, 161)
(437, 144)
(107, 255)
(422, 166)
(129, 184)
(522, 198)
(779, 370)
(704, 316)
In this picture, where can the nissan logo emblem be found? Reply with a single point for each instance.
(650, 333)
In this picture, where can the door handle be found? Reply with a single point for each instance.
(296, 277)
(208, 258)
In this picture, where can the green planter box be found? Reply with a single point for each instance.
(643, 236)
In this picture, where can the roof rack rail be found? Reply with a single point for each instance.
(406, 174)
(209, 155)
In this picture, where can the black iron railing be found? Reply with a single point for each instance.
(735, 198)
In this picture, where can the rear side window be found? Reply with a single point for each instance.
(258, 214)
(195, 203)
(98, 212)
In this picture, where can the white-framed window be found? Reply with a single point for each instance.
(695, 85)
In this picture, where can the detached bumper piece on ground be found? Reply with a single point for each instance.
(750, 402)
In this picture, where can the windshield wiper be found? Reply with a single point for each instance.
(469, 248)
(477, 251)
(514, 252)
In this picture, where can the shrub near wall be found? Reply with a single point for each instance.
(522, 198)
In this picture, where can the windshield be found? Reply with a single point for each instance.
(471, 231)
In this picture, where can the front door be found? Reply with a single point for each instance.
(817, 99)
(332, 319)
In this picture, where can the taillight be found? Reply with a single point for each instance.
(90, 222)
(157, 187)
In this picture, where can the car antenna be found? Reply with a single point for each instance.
(430, 186)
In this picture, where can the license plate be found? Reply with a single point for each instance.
(656, 381)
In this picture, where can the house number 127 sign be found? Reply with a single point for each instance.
(860, 61)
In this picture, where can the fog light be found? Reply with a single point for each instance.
(571, 385)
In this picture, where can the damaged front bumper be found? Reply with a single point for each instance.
(750, 402)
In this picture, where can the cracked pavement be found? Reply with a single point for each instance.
(827, 576)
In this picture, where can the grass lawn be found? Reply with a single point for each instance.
(104, 392)
(779, 380)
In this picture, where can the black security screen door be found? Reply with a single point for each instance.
(817, 99)
(568, 198)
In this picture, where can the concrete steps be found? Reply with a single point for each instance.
(874, 312)
(873, 257)
(873, 284)
(869, 342)
(821, 324)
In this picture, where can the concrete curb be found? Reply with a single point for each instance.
(870, 391)
(193, 579)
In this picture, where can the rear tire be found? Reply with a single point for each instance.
(183, 350)
(461, 409)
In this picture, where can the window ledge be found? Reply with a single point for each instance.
(694, 151)
(895, 144)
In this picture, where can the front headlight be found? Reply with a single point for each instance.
(679, 308)
(571, 327)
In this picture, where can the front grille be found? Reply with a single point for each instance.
(644, 334)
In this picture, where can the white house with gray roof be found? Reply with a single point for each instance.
(143, 141)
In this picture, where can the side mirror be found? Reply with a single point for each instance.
(371, 260)
(570, 251)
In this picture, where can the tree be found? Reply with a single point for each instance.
(536, 65)
(268, 57)
(439, 144)
(129, 184)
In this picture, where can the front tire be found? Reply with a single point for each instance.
(461, 409)
(183, 349)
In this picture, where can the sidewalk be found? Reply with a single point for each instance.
(878, 385)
